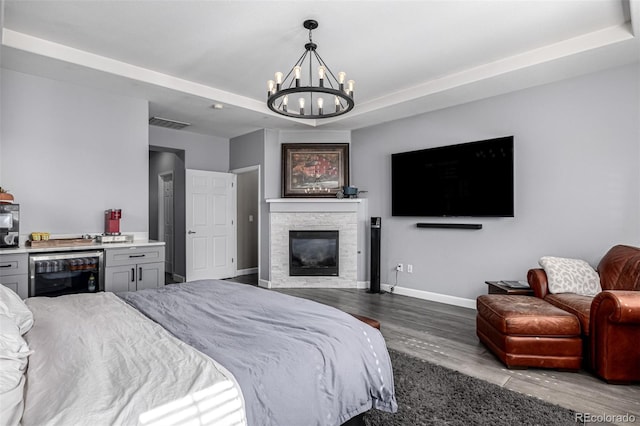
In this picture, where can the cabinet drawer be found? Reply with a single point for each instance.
(14, 264)
(133, 255)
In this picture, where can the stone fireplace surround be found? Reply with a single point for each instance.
(299, 214)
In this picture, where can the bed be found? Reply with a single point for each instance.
(214, 351)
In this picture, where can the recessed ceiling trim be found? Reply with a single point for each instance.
(38, 46)
(490, 70)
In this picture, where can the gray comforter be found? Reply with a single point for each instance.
(298, 362)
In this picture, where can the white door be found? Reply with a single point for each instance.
(210, 224)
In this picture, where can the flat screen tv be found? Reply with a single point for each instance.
(472, 179)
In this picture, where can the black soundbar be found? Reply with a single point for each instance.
(450, 225)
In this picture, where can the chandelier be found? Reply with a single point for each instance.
(327, 97)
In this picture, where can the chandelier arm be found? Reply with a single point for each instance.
(291, 82)
(310, 78)
(298, 62)
(324, 64)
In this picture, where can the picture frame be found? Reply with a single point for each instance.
(315, 170)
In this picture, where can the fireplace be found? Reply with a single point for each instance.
(313, 253)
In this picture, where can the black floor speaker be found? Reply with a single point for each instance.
(376, 228)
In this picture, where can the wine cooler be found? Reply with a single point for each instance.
(55, 274)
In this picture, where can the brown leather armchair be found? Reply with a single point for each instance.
(610, 321)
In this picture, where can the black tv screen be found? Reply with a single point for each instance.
(469, 179)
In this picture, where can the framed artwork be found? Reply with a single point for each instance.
(314, 169)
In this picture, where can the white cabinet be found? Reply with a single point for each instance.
(133, 268)
(14, 273)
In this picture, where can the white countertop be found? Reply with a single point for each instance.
(94, 246)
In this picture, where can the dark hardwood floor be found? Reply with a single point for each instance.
(445, 335)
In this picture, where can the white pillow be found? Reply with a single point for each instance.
(570, 276)
(14, 307)
(14, 354)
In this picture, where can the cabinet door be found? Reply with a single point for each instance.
(17, 283)
(150, 275)
(120, 278)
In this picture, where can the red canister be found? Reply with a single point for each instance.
(112, 221)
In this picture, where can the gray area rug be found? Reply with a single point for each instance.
(429, 394)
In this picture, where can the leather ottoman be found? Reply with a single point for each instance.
(525, 331)
(372, 322)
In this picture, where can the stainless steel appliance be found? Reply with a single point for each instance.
(9, 225)
(55, 274)
(122, 238)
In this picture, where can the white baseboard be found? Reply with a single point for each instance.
(247, 271)
(264, 283)
(362, 284)
(434, 297)
(410, 292)
(178, 278)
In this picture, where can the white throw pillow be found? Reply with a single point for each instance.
(14, 307)
(570, 276)
(14, 354)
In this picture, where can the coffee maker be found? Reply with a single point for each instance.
(9, 225)
(112, 221)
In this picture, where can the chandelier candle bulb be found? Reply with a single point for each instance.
(278, 76)
(297, 71)
(320, 104)
(301, 103)
(341, 77)
(270, 87)
(285, 101)
(350, 85)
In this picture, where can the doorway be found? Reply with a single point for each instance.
(167, 206)
(166, 219)
(248, 218)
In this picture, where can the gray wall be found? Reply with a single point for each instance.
(202, 152)
(1, 35)
(70, 152)
(577, 188)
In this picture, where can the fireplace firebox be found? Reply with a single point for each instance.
(313, 253)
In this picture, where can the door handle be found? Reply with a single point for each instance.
(191, 232)
(133, 275)
(140, 274)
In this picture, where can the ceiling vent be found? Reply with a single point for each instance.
(170, 124)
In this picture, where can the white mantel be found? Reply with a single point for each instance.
(346, 215)
(314, 204)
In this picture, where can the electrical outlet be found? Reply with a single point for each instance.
(409, 268)
(399, 267)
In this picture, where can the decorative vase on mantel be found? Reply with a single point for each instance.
(5, 197)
